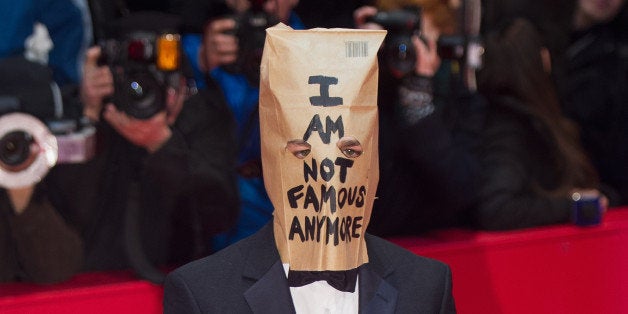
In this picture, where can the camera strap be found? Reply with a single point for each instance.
(57, 100)
(132, 239)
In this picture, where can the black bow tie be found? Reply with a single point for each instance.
(343, 280)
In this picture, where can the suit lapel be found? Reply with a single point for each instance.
(376, 295)
(270, 292)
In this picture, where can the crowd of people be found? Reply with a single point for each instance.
(545, 123)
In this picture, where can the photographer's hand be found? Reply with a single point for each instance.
(20, 198)
(175, 100)
(150, 134)
(97, 83)
(416, 90)
(427, 60)
(220, 45)
(361, 15)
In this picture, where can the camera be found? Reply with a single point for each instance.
(34, 132)
(464, 48)
(30, 147)
(143, 51)
(251, 33)
(398, 52)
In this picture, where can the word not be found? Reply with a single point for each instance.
(327, 169)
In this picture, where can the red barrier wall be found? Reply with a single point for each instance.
(555, 269)
(93, 293)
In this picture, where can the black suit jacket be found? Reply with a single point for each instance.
(248, 277)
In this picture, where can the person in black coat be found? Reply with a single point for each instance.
(158, 187)
(429, 133)
(594, 89)
(37, 244)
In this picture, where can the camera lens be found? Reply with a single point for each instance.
(251, 33)
(136, 90)
(399, 55)
(142, 95)
(15, 148)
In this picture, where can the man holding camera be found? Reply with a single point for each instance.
(226, 56)
(429, 127)
(160, 184)
(36, 243)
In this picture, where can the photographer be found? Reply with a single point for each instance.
(218, 57)
(212, 42)
(429, 126)
(160, 184)
(36, 242)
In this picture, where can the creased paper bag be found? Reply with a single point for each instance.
(318, 119)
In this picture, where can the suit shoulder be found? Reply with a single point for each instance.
(210, 285)
(214, 265)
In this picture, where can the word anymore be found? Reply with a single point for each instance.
(314, 228)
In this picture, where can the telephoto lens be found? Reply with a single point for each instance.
(139, 94)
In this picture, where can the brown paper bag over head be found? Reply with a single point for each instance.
(318, 119)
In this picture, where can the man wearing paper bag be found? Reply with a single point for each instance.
(318, 116)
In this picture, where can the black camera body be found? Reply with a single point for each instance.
(29, 147)
(144, 54)
(250, 30)
(36, 132)
(398, 53)
(15, 147)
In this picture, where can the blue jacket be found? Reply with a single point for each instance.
(64, 21)
(242, 98)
